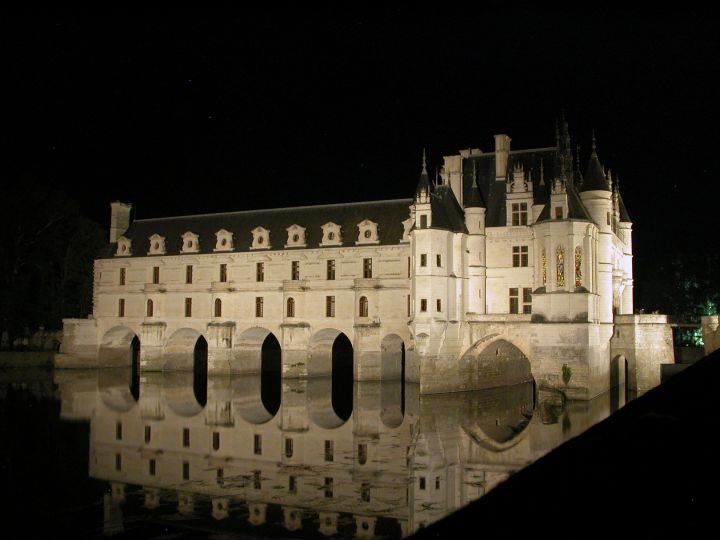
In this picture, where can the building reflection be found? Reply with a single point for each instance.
(398, 462)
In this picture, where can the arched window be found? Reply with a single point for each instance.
(578, 266)
(290, 307)
(218, 307)
(363, 306)
(150, 308)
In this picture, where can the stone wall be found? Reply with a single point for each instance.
(711, 333)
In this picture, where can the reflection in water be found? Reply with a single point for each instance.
(271, 374)
(342, 377)
(244, 464)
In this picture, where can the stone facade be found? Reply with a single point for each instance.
(511, 253)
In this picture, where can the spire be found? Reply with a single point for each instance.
(424, 169)
(474, 199)
(594, 178)
(577, 175)
(422, 193)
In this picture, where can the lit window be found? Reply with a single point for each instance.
(290, 312)
(329, 306)
(367, 268)
(363, 306)
(260, 272)
(519, 256)
(331, 269)
(295, 273)
(259, 306)
(519, 214)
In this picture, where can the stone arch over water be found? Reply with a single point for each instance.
(258, 350)
(330, 373)
(496, 363)
(119, 347)
(392, 358)
(185, 350)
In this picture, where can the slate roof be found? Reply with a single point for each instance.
(492, 191)
(389, 216)
(594, 178)
(576, 208)
(624, 216)
(447, 214)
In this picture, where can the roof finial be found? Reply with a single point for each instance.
(542, 172)
(437, 177)
(424, 170)
(474, 173)
(593, 140)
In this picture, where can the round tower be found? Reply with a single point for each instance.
(476, 257)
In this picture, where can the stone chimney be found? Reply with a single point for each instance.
(502, 150)
(119, 219)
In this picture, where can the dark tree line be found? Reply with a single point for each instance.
(46, 260)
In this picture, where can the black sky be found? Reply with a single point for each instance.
(183, 112)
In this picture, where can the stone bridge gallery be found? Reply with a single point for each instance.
(511, 266)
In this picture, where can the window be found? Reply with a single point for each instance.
(292, 484)
(608, 218)
(220, 476)
(362, 454)
(527, 300)
(423, 221)
(188, 273)
(290, 312)
(186, 470)
(367, 268)
(408, 305)
(218, 307)
(118, 462)
(329, 306)
(365, 492)
(118, 431)
(422, 482)
(558, 212)
(188, 307)
(519, 214)
(260, 272)
(223, 273)
(148, 434)
(437, 482)
(151, 467)
(122, 276)
(331, 269)
(363, 306)
(423, 259)
(216, 440)
(295, 273)
(408, 267)
(186, 438)
(329, 453)
(438, 260)
(256, 480)
(519, 256)
(328, 488)
(288, 448)
(121, 307)
(423, 304)
(438, 305)
(156, 275)
(259, 306)
(257, 445)
(514, 301)
(149, 309)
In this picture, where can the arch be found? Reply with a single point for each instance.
(392, 357)
(330, 397)
(392, 396)
(119, 347)
(247, 399)
(322, 346)
(320, 404)
(217, 309)
(180, 393)
(114, 388)
(180, 352)
(618, 371)
(492, 363)
(251, 345)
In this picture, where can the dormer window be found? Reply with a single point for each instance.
(331, 235)
(157, 245)
(223, 240)
(190, 242)
(367, 233)
(261, 238)
(124, 247)
(296, 236)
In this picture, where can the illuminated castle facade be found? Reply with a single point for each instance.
(510, 266)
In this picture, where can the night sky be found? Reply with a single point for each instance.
(183, 112)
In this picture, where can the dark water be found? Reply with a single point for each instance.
(112, 453)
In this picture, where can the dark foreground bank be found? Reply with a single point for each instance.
(650, 470)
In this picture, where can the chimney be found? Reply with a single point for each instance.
(119, 219)
(502, 149)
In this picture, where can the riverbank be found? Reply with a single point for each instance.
(26, 359)
(649, 470)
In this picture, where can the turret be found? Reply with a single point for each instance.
(625, 234)
(476, 257)
(421, 205)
